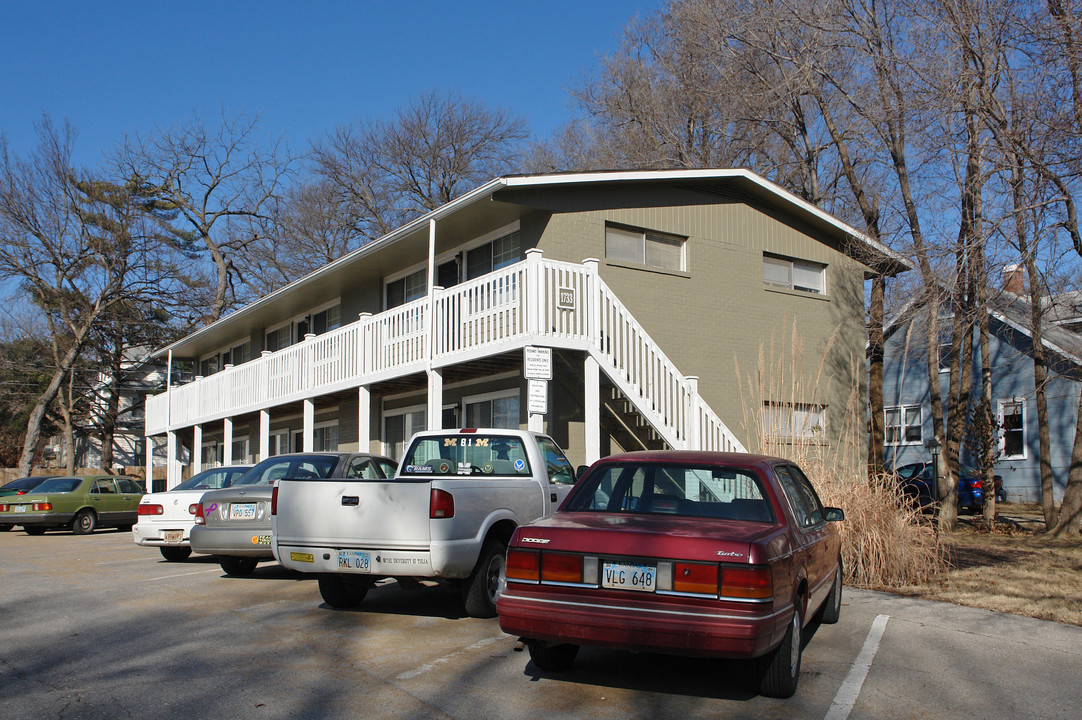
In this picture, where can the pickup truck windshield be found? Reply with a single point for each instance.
(456, 454)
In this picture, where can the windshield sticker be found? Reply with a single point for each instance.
(520, 464)
(418, 469)
(487, 468)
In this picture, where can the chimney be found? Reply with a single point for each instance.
(1014, 279)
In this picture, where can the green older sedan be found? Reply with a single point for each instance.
(76, 503)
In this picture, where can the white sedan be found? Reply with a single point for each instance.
(166, 518)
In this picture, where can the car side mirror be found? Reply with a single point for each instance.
(833, 514)
(581, 470)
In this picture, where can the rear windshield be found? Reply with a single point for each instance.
(457, 454)
(58, 485)
(213, 479)
(293, 467)
(662, 489)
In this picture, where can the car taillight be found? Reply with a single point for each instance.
(5, 508)
(750, 582)
(274, 499)
(193, 508)
(42, 507)
(695, 578)
(441, 504)
(149, 509)
(560, 567)
(200, 519)
(523, 565)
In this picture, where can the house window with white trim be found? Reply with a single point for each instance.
(279, 338)
(325, 437)
(408, 288)
(240, 450)
(495, 410)
(278, 443)
(793, 420)
(1012, 423)
(399, 426)
(790, 274)
(645, 247)
(903, 425)
(494, 255)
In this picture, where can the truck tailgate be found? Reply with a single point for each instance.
(353, 513)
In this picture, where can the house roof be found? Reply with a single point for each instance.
(1014, 311)
(503, 198)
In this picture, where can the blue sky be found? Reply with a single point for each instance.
(305, 67)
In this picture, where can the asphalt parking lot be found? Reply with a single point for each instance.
(95, 627)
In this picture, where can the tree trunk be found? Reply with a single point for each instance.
(875, 377)
(37, 414)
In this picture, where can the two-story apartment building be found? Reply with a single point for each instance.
(609, 309)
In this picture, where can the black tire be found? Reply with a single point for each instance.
(485, 584)
(780, 669)
(832, 606)
(237, 566)
(84, 523)
(342, 592)
(34, 530)
(552, 658)
(176, 554)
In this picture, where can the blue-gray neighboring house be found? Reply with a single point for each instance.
(907, 411)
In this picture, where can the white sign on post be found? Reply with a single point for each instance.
(538, 397)
(536, 363)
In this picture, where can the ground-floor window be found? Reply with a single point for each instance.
(399, 426)
(495, 410)
(278, 443)
(793, 420)
(210, 455)
(325, 436)
(903, 425)
(240, 450)
(1012, 423)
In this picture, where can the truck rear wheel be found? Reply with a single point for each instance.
(342, 592)
(484, 585)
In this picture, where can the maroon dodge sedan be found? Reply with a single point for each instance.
(693, 553)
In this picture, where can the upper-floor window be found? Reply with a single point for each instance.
(645, 247)
(406, 289)
(280, 338)
(494, 255)
(1012, 423)
(792, 274)
(903, 425)
(327, 318)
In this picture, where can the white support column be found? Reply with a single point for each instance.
(197, 449)
(694, 440)
(227, 441)
(264, 434)
(591, 303)
(172, 467)
(591, 372)
(534, 299)
(309, 426)
(148, 444)
(435, 399)
(364, 419)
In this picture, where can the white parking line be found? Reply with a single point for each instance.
(166, 577)
(447, 658)
(847, 694)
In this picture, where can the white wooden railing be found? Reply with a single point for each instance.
(538, 301)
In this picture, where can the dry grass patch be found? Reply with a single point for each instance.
(1015, 569)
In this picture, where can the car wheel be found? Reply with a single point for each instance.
(176, 554)
(485, 584)
(552, 658)
(237, 566)
(780, 669)
(832, 607)
(34, 530)
(342, 592)
(84, 523)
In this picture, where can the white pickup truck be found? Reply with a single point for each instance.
(447, 514)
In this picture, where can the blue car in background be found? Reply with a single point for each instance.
(916, 482)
